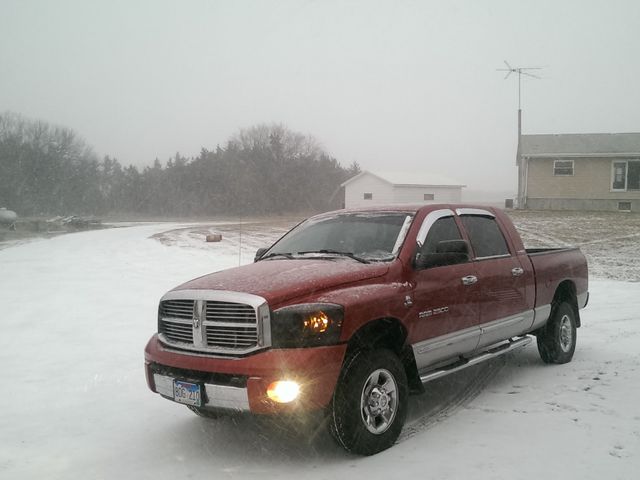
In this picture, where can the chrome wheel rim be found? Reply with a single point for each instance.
(379, 401)
(566, 333)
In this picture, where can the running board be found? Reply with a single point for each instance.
(463, 363)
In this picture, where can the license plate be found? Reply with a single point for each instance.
(187, 393)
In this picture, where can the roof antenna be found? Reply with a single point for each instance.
(520, 71)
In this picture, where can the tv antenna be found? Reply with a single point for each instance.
(520, 71)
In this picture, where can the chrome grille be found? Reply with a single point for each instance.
(178, 332)
(231, 337)
(213, 321)
(177, 309)
(229, 312)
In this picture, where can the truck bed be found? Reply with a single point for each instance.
(552, 266)
(541, 251)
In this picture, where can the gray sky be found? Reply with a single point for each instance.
(389, 84)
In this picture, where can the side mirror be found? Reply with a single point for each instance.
(448, 252)
(259, 254)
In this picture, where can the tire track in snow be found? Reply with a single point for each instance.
(545, 239)
(449, 395)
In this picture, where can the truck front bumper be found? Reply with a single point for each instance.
(241, 384)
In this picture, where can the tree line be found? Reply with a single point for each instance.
(265, 169)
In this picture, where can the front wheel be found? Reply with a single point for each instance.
(557, 339)
(369, 406)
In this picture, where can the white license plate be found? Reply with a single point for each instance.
(187, 393)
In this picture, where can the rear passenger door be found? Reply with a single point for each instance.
(501, 279)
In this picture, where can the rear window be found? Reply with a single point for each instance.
(485, 236)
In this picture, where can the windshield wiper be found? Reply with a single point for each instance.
(337, 252)
(277, 254)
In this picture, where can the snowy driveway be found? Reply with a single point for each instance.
(78, 310)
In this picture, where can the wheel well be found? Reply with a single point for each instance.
(387, 333)
(566, 292)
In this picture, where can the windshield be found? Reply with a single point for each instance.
(369, 236)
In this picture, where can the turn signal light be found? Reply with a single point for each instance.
(317, 322)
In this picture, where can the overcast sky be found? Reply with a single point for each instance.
(401, 85)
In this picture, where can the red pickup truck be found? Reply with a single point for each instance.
(351, 311)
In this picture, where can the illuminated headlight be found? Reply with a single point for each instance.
(283, 391)
(306, 325)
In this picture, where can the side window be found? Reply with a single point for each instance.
(485, 235)
(443, 229)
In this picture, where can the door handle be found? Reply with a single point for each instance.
(469, 280)
(516, 272)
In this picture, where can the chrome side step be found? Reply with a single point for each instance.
(500, 349)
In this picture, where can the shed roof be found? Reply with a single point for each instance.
(580, 144)
(415, 179)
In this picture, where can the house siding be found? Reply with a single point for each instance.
(416, 194)
(354, 192)
(579, 204)
(589, 188)
(385, 193)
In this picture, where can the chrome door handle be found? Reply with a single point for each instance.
(469, 280)
(516, 272)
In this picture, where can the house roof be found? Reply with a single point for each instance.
(580, 145)
(402, 179)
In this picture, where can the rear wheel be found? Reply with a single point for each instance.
(369, 406)
(557, 339)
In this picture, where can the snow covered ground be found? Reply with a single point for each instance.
(79, 308)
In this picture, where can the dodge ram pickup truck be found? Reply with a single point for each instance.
(351, 311)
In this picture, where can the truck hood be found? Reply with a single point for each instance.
(280, 280)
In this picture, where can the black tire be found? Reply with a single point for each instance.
(372, 386)
(557, 339)
(203, 412)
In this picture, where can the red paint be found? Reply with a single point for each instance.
(373, 291)
(281, 280)
(316, 369)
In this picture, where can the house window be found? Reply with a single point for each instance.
(562, 168)
(429, 196)
(624, 206)
(625, 175)
(633, 175)
(619, 180)
(368, 196)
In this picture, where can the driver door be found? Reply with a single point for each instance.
(444, 315)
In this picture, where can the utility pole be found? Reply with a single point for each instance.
(522, 170)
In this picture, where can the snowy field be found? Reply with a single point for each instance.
(79, 309)
(609, 240)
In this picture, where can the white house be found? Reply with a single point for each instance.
(368, 188)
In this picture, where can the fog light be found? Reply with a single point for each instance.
(283, 391)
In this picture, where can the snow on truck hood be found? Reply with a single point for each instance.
(281, 280)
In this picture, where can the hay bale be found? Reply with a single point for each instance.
(214, 237)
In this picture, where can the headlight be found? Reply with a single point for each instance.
(306, 325)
